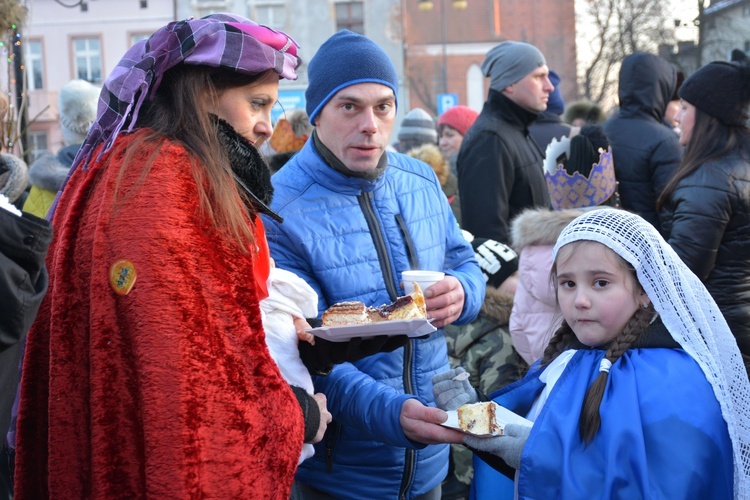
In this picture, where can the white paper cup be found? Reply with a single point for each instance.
(424, 278)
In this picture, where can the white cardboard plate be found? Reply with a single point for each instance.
(503, 416)
(409, 327)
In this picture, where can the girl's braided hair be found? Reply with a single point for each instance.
(590, 419)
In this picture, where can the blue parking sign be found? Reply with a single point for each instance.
(446, 102)
(288, 100)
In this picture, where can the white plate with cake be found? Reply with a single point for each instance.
(406, 315)
(486, 419)
(409, 327)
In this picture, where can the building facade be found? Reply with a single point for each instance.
(86, 41)
(725, 26)
(456, 35)
(435, 51)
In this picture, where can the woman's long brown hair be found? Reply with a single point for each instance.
(180, 111)
(709, 140)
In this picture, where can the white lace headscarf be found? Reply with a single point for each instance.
(687, 310)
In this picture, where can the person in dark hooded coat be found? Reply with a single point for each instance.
(645, 151)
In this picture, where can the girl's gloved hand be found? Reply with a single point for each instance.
(452, 389)
(509, 446)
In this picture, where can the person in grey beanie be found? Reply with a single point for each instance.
(417, 128)
(499, 164)
(355, 217)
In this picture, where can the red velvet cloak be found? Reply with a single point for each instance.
(168, 391)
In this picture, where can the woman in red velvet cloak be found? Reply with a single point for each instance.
(146, 373)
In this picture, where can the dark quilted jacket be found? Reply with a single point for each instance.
(707, 222)
(646, 152)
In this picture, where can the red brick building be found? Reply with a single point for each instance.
(462, 37)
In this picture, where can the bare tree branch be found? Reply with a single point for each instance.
(617, 28)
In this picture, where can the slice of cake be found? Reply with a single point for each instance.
(418, 297)
(346, 313)
(402, 308)
(377, 314)
(410, 306)
(479, 418)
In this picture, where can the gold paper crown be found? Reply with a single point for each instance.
(577, 191)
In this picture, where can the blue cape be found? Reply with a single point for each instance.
(662, 433)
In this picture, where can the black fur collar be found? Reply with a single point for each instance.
(250, 170)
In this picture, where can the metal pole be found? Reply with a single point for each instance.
(443, 41)
(21, 108)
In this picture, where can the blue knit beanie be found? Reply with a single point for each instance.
(345, 59)
(555, 104)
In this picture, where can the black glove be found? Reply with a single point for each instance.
(320, 358)
(310, 412)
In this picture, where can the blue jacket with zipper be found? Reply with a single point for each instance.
(350, 239)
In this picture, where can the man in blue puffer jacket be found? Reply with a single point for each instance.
(354, 219)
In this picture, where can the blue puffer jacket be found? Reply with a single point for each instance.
(350, 239)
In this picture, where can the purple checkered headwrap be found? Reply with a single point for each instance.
(219, 40)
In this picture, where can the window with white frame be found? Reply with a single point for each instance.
(202, 8)
(37, 144)
(87, 59)
(272, 15)
(137, 37)
(350, 16)
(34, 65)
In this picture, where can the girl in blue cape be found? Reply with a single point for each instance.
(640, 394)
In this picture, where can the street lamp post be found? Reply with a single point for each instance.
(443, 46)
(458, 5)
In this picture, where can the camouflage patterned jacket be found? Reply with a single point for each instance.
(484, 348)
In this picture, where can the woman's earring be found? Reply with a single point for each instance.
(644, 306)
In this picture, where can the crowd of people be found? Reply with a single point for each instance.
(166, 267)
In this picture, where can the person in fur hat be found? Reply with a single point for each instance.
(14, 174)
(14, 178)
(580, 113)
(77, 100)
